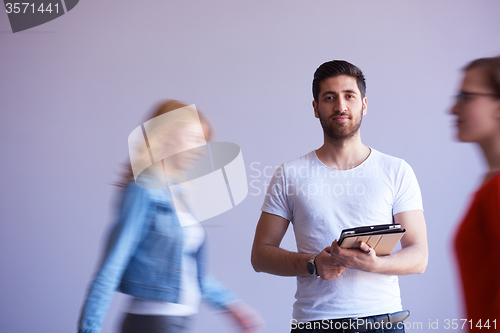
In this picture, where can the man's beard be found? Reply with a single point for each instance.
(341, 132)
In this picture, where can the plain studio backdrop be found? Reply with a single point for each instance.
(74, 88)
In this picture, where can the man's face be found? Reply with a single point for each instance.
(340, 107)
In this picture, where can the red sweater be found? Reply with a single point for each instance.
(477, 246)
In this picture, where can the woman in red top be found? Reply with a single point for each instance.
(477, 243)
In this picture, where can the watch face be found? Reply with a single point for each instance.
(310, 268)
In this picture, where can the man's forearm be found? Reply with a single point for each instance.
(413, 256)
(410, 260)
(275, 260)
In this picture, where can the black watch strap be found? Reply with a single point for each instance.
(311, 265)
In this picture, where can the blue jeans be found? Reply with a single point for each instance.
(134, 323)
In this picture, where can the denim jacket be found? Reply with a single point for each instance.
(143, 258)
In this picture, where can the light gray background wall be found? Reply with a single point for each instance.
(73, 89)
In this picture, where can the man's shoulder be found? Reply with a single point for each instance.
(299, 163)
(392, 166)
(296, 166)
(302, 160)
(386, 159)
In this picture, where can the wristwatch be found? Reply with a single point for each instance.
(311, 266)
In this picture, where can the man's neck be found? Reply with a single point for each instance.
(343, 155)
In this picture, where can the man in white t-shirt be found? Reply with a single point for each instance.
(343, 184)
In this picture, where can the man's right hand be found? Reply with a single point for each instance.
(326, 268)
(268, 257)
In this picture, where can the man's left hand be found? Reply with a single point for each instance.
(363, 258)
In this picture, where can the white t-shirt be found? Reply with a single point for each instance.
(320, 202)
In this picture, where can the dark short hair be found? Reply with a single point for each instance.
(336, 68)
(492, 67)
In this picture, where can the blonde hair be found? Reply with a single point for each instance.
(166, 106)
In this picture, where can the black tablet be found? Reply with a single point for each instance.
(382, 238)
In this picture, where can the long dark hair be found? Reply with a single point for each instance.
(492, 71)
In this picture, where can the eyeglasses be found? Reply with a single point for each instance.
(466, 96)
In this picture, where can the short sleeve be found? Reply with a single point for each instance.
(407, 192)
(276, 201)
